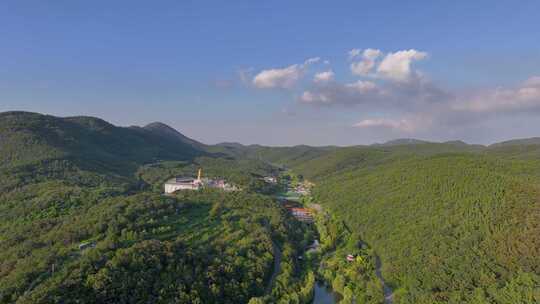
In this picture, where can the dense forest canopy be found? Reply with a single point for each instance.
(451, 224)
(83, 218)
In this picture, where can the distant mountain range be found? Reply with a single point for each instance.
(29, 137)
(518, 142)
(413, 141)
(402, 141)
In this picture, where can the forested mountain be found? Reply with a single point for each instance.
(276, 155)
(30, 137)
(82, 218)
(163, 130)
(519, 142)
(403, 141)
(517, 149)
(34, 145)
(451, 223)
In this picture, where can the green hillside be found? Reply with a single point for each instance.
(517, 149)
(442, 222)
(80, 181)
(448, 227)
(451, 222)
(28, 138)
(81, 149)
(195, 248)
(279, 156)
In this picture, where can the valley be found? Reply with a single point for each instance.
(84, 219)
(269, 152)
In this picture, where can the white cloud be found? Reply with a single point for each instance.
(407, 96)
(362, 86)
(397, 66)
(391, 85)
(332, 93)
(525, 97)
(364, 67)
(462, 112)
(284, 78)
(371, 54)
(397, 84)
(310, 97)
(324, 76)
(403, 125)
(278, 78)
(312, 60)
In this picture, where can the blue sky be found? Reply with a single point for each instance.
(443, 69)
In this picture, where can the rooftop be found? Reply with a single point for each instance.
(301, 210)
(180, 180)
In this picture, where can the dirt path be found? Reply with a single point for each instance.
(388, 292)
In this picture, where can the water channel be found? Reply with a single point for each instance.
(324, 294)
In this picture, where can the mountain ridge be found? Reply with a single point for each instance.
(87, 143)
(169, 132)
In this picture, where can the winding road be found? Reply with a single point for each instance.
(388, 292)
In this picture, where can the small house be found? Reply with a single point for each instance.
(302, 214)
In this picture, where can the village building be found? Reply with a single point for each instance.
(302, 214)
(190, 183)
(219, 184)
(183, 183)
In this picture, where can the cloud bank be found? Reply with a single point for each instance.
(390, 94)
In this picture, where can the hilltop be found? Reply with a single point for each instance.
(171, 134)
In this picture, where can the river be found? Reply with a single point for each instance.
(324, 295)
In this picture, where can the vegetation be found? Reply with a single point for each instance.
(449, 228)
(83, 220)
(194, 248)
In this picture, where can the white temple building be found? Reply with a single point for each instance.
(183, 183)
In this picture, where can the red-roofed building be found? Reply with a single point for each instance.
(302, 214)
